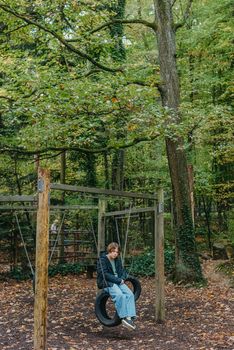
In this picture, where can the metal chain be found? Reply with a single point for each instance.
(24, 244)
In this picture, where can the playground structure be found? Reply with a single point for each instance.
(42, 204)
(72, 245)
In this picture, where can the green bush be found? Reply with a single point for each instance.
(65, 269)
(227, 268)
(20, 274)
(144, 264)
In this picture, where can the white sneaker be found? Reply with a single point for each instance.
(128, 323)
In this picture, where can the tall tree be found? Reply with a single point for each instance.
(187, 261)
(118, 53)
(62, 33)
(206, 72)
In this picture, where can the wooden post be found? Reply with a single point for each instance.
(159, 259)
(101, 225)
(41, 265)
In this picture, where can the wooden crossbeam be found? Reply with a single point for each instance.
(74, 207)
(94, 190)
(17, 198)
(128, 211)
(18, 207)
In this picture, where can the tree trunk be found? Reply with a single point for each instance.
(187, 262)
(118, 170)
(91, 172)
(118, 54)
(207, 210)
(106, 169)
(117, 31)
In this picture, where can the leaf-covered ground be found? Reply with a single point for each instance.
(195, 318)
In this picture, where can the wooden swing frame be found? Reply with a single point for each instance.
(42, 243)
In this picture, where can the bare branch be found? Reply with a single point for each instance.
(60, 39)
(173, 2)
(142, 83)
(30, 94)
(137, 82)
(7, 98)
(92, 71)
(15, 29)
(10, 99)
(64, 17)
(185, 15)
(49, 156)
(151, 25)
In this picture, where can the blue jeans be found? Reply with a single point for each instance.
(123, 298)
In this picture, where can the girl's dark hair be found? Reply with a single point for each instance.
(112, 246)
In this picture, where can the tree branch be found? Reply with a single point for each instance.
(15, 29)
(124, 145)
(10, 99)
(7, 98)
(60, 39)
(142, 83)
(92, 71)
(173, 2)
(185, 15)
(151, 25)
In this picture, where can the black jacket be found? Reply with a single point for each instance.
(105, 273)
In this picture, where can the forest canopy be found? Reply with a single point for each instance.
(85, 79)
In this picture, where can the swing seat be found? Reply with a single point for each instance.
(101, 300)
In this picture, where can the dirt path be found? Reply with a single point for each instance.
(196, 319)
(214, 277)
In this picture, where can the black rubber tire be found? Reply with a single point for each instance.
(101, 313)
(136, 286)
(101, 300)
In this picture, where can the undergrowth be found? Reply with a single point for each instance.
(144, 264)
(227, 268)
(21, 274)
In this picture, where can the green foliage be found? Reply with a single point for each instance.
(144, 264)
(52, 97)
(187, 264)
(49, 100)
(21, 274)
(205, 55)
(227, 268)
(65, 269)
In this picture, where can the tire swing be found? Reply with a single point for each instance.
(101, 300)
(103, 296)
